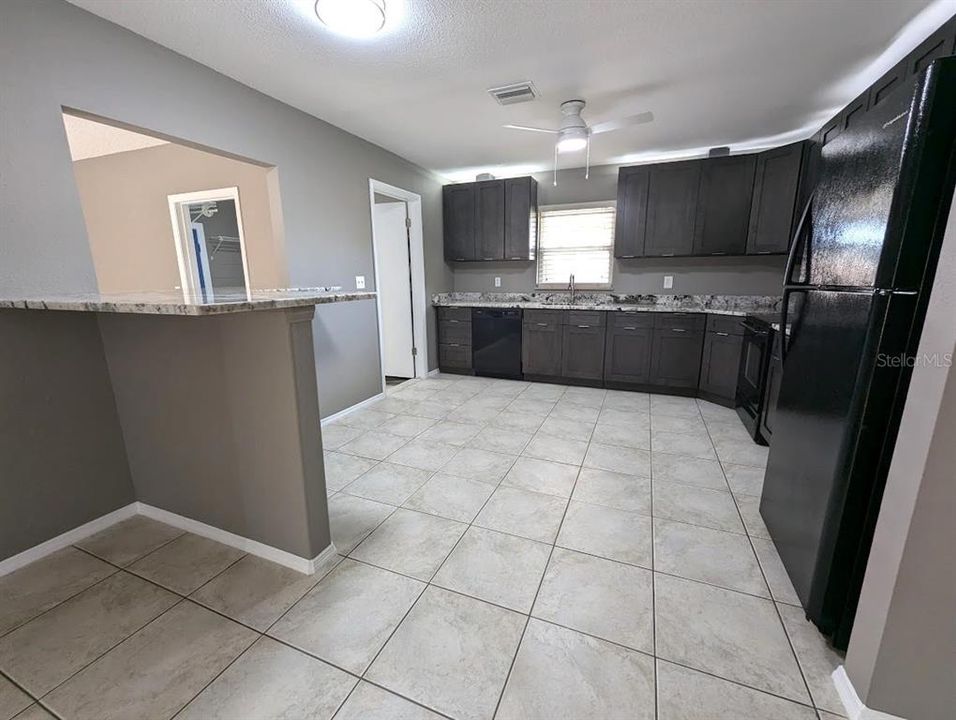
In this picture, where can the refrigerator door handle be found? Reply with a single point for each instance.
(795, 245)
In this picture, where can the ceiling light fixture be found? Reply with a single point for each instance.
(358, 18)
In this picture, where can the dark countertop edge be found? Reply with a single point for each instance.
(180, 309)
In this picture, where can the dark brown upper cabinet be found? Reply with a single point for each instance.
(774, 202)
(631, 218)
(723, 205)
(521, 218)
(490, 220)
(671, 208)
(459, 213)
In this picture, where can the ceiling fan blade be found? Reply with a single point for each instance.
(644, 117)
(531, 129)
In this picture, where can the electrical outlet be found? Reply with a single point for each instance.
(359, 282)
(497, 282)
(668, 282)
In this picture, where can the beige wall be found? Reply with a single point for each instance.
(124, 200)
(902, 654)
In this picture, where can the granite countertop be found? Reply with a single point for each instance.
(173, 302)
(738, 305)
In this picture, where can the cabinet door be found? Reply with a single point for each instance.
(627, 354)
(521, 218)
(723, 205)
(671, 209)
(675, 358)
(720, 364)
(490, 220)
(583, 352)
(774, 200)
(458, 208)
(541, 348)
(631, 221)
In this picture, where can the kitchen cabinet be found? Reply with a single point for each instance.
(677, 346)
(521, 218)
(459, 208)
(490, 220)
(723, 205)
(631, 220)
(582, 351)
(542, 340)
(774, 204)
(671, 208)
(720, 361)
(454, 339)
(627, 349)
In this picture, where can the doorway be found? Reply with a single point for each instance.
(399, 281)
(210, 247)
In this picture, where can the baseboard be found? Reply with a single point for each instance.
(66, 539)
(253, 547)
(855, 709)
(432, 373)
(352, 409)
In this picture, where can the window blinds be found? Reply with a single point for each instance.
(578, 240)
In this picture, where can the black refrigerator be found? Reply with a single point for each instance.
(855, 290)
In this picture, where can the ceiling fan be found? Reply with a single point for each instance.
(574, 133)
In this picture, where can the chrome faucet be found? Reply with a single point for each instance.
(571, 287)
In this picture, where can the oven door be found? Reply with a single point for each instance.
(750, 376)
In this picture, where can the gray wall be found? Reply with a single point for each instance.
(732, 276)
(53, 54)
(902, 654)
(62, 458)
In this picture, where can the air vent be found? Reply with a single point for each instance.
(513, 94)
(721, 151)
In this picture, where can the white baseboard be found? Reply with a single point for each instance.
(66, 539)
(253, 547)
(855, 709)
(436, 371)
(352, 409)
(321, 563)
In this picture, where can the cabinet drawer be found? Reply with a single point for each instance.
(726, 324)
(630, 320)
(591, 318)
(459, 314)
(453, 355)
(454, 331)
(689, 322)
(537, 317)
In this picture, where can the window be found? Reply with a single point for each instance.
(576, 239)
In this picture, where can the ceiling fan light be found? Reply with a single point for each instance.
(572, 143)
(357, 18)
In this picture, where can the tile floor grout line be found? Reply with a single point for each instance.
(776, 609)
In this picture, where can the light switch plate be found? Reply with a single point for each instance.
(668, 282)
(497, 282)
(359, 282)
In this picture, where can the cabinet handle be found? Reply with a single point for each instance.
(667, 254)
(630, 327)
(459, 258)
(489, 258)
(626, 257)
(678, 330)
(542, 324)
(516, 258)
(722, 334)
(452, 321)
(453, 345)
(584, 326)
(718, 253)
(763, 252)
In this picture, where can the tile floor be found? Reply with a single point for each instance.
(508, 550)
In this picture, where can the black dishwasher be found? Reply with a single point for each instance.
(496, 342)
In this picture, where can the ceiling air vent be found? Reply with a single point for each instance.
(513, 94)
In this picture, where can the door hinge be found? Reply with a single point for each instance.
(414, 352)
(408, 223)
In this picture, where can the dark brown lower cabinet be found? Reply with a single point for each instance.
(454, 357)
(542, 332)
(675, 357)
(582, 356)
(627, 349)
(719, 366)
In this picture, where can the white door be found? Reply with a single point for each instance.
(391, 244)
